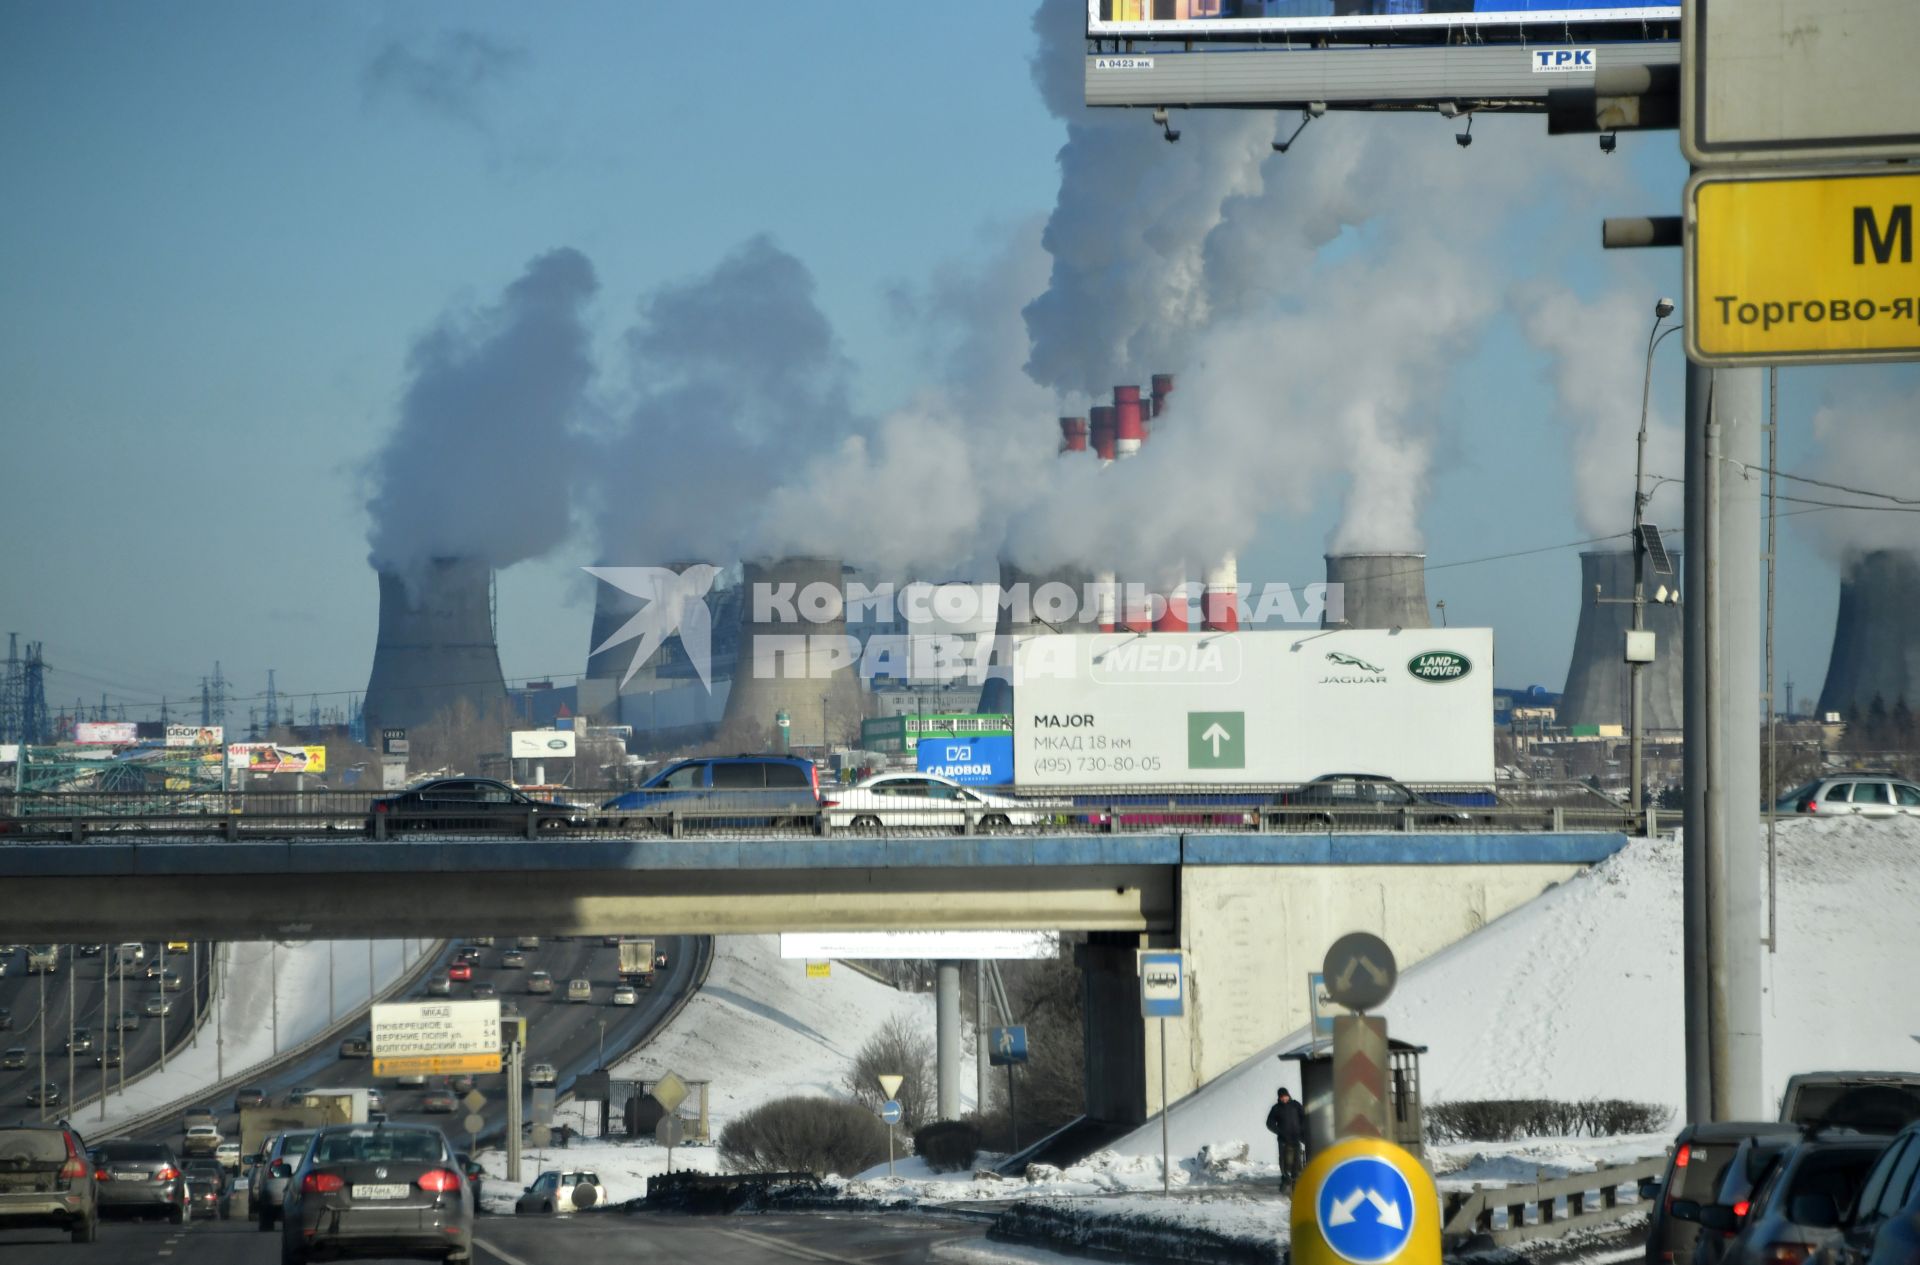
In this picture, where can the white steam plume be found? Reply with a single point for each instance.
(479, 464)
(1871, 443)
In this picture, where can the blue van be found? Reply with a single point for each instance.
(772, 790)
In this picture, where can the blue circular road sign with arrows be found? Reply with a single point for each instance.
(1366, 1210)
(890, 1111)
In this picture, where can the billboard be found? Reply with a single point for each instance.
(1117, 709)
(954, 946)
(1232, 19)
(543, 744)
(195, 735)
(436, 1037)
(265, 757)
(106, 731)
(975, 761)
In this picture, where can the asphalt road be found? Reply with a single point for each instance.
(836, 1238)
(565, 1034)
(20, 993)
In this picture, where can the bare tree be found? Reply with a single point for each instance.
(901, 1049)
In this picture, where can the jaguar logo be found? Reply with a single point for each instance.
(1350, 661)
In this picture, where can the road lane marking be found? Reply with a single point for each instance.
(790, 1249)
(506, 1257)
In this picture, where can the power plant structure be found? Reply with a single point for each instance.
(1377, 590)
(436, 655)
(665, 701)
(1876, 644)
(814, 682)
(1598, 686)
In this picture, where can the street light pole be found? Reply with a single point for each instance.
(1662, 309)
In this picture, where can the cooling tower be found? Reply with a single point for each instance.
(817, 687)
(1597, 691)
(1876, 643)
(1378, 590)
(436, 649)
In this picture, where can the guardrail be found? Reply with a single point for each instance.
(135, 1125)
(75, 816)
(75, 1107)
(1545, 1209)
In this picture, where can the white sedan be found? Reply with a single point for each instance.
(926, 799)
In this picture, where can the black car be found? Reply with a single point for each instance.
(1883, 1225)
(1363, 800)
(468, 803)
(376, 1190)
(1795, 1210)
(6, 1019)
(1702, 1153)
(252, 1096)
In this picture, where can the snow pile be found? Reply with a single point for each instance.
(624, 1168)
(760, 1030)
(1464, 1165)
(251, 1025)
(1577, 994)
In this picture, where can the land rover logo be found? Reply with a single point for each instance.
(1439, 665)
(556, 744)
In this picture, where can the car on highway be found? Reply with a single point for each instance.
(127, 1021)
(728, 792)
(377, 1190)
(158, 1005)
(411, 1080)
(475, 1171)
(484, 989)
(539, 982)
(625, 995)
(541, 1074)
(79, 1041)
(92, 950)
(460, 972)
(45, 1094)
(43, 959)
(154, 970)
(14, 1058)
(1853, 795)
(439, 986)
(610, 942)
(579, 990)
(251, 1096)
(509, 1008)
(1795, 1211)
(460, 1083)
(485, 942)
(1752, 1160)
(470, 803)
(360, 1047)
(201, 1139)
(906, 800)
(228, 1154)
(207, 1186)
(48, 1180)
(513, 960)
(1700, 1157)
(197, 1115)
(1363, 800)
(269, 1187)
(557, 1192)
(3, 967)
(169, 981)
(110, 1054)
(439, 1103)
(526, 942)
(6, 1019)
(1882, 1227)
(142, 1178)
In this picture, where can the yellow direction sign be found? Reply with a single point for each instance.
(819, 970)
(670, 1091)
(1364, 1201)
(1802, 266)
(437, 1064)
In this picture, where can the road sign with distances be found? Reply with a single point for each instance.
(1804, 266)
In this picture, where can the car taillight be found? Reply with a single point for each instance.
(1741, 1207)
(72, 1169)
(102, 1175)
(829, 803)
(380, 806)
(439, 1179)
(1680, 1159)
(167, 1175)
(1786, 1253)
(1811, 806)
(322, 1183)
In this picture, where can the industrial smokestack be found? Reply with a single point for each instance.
(816, 681)
(1103, 436)
(436, 648)
(1876, 644)
(1162, 389)
(1598, 689)
(1379, 590)
(1073, 435)
(1129, 430)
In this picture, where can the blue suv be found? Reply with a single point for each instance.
(772, 790)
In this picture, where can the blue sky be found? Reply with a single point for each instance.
(227, 223)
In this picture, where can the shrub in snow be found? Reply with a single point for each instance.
(947, 1145)
(817, 1135)
(1504, 1119)
(900, 1048)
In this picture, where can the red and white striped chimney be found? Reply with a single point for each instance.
(1103, 434)
(1129, 435)
(1073, 435)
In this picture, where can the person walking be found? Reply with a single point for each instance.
(1287, 1121)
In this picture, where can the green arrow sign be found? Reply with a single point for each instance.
(1216, 740)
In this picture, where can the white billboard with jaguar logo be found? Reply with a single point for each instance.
(1254, 707)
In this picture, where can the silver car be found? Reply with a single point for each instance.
(269, 1175)
(376, 1190)
(1853, 795)
(140, 1177)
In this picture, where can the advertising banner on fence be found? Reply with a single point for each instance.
(265, 757)
(106, 731)
(1116, 709)
(195, 735)
(1232, 19)
(543, 744)
(975, 761)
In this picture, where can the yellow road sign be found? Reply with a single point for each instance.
(437, 1064)
(1364, 1201)
(1802, 266)
(670, 1091)
(819, 970)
